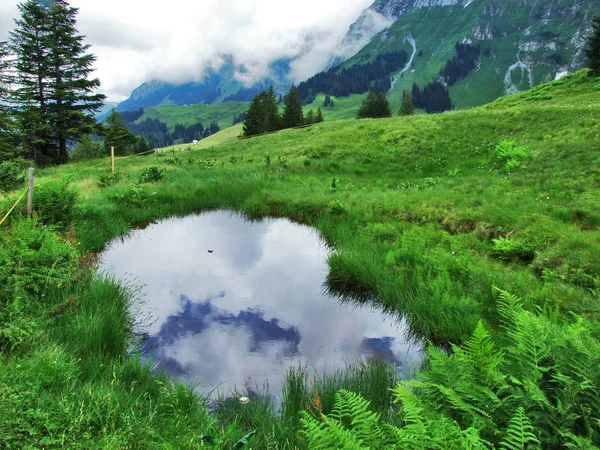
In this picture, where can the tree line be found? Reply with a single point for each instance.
(263, 114)
(357, 79)
(158, 135)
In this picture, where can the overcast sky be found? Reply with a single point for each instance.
(177, 40)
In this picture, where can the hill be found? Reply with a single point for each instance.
(479, 227)
(171, 115)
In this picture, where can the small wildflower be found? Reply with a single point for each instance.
(244, 400)
(454, 253)
(547, 198)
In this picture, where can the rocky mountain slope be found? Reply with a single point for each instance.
(522, 42)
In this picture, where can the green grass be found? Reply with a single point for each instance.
(172, 115)
(423, 213)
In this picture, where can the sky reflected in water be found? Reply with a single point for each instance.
(227, 302)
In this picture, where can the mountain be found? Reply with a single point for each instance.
(516, 43)
(216, 87)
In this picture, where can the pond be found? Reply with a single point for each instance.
(228, 303)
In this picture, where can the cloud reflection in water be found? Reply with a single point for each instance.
(249, 310)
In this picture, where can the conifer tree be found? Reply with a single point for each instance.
(292, 113)
(255, 121)
(593, 48)
(272, 110)
(54, 99)
(73, 99)
(7, 144)
(374, 106)
(117, 135)
(28, 42)
(310, 117)
(319, 116)
(406, 107)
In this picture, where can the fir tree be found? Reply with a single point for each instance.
(319, 116)
(374, 106)
(406, 107)
(593, 48)
(292, 113)
(256, 120)
(54, 99)
(310, 117)
(117, 135)
(271, 110)
(7, 144)
(72, 95)
(28, 42)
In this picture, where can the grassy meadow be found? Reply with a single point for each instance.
(446, 219)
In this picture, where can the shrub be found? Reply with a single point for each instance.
(54, 203)
(108, 179)
(152, 174)
(11, 176)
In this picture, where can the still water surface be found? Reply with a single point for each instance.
(227, 302)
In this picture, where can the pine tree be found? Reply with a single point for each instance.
(28, 42)
(406, 107)
(72, 95)
(319, 117)
(593, 48)
(117, 135)
(292, 113)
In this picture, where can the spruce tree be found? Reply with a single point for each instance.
(374, 106)
(54, 100)
(256, 120)
(292, 113)
(28, 42)
(319, 117)
(73, 99)
(406, 107)
(310, 117)
(271, 110)
(593, 48)
(7, 144)
(117, 135)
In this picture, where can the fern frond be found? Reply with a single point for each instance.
(520, 433)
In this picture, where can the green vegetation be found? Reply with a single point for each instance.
(51, 89)
(172, 115)
(374, 106)
(498, 268)
(593, 48)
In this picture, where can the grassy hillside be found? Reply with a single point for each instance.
(172, 115)
(507, 31)
(429, 216)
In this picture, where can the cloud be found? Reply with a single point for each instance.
(137, 40)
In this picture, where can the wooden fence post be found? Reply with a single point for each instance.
(30, 194)
(112, 159)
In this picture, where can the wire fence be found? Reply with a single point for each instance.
(104, 161)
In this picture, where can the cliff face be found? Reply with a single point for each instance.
(523, 42)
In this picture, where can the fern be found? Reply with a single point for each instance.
(519, 435)
(350, 425)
